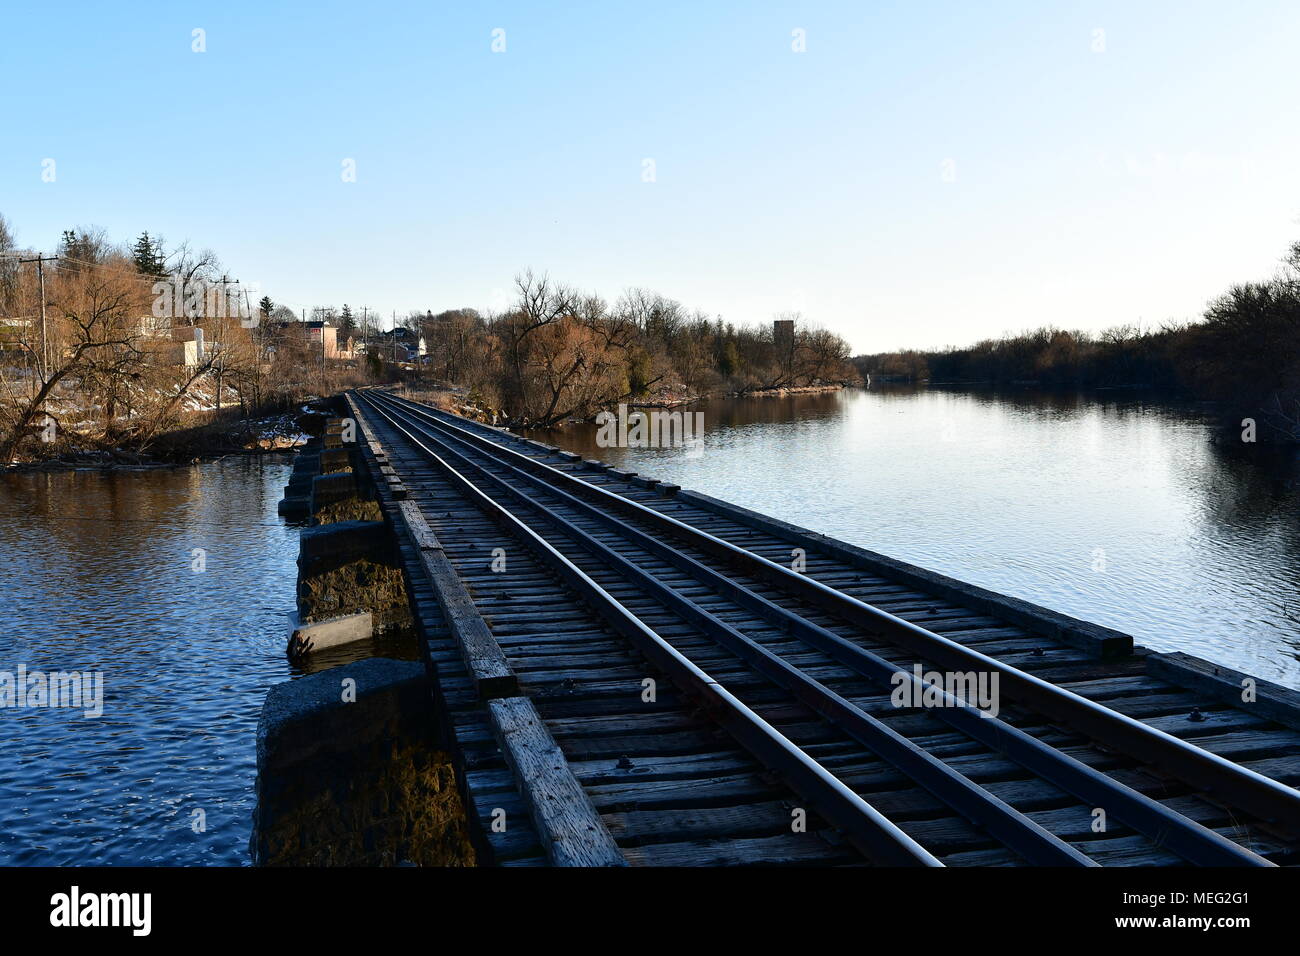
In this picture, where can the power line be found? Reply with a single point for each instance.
(170, 278)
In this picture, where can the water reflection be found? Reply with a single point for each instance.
(96, 573)
(1115, 507)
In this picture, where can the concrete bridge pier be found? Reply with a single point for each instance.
(352, 765)
(350, 585)
(350, 772)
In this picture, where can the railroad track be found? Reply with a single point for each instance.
(805, 679)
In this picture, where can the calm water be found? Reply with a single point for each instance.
(1116, 510)
(96, 573)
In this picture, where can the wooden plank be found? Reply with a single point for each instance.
(486, 662)
(570, 829)
(1226, 685)
(785, 849)
(367, 432)
(421, 534)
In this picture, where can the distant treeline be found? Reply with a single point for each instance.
(1047, 356)
(558, 353)
(1244, 353)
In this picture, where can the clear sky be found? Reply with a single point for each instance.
(923, 174)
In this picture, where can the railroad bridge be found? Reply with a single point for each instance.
(632, 673)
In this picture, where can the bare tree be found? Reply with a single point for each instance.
(85, 246)
(541, 303)
(94, 332)
(191, 274)
(9, 256)
(571, 372)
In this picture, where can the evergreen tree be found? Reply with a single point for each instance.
(347, 324)
(148, 256)
(267, 307)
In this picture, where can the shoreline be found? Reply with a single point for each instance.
(667, 403)
(785, 390)
(273, 434)
(61, 464)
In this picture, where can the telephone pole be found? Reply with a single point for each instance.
(40, 261)
(258, 337)
(217, 361)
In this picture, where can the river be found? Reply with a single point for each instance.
(176, 585)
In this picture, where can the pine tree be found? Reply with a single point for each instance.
(267, 307)
(347, 324)
(148, 256)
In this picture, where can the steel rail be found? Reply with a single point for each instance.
(1163, 826)
(1217, 777)
(1008, 825)
(870, 831)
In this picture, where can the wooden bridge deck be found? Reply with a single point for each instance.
(546, 693)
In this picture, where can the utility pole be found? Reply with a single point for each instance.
(257, 329)
(40, 261)
(218, 361)
(224, 281)
(258, 339)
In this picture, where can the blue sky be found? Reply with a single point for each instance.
(1090, 188)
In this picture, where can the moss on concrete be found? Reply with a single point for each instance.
(349, 772)
(399, 805)
(357, 586)
(350, 509)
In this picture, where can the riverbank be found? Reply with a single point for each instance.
(208, 441)
(1230, 424)
(785, 390)
(456, 400)
(1242, 353)
(672, 399)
